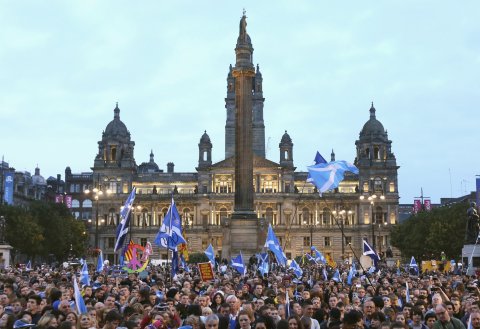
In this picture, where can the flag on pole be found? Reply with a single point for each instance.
(319, 256)
(184, 264)
(407, 295)
(170, 234)
(84, 278)
(370, 252)
(237, 263)
(263, 263)
(327, 176)
(318, 159)
(210, 254)
(296, 269)
(309, 257)
(274, 246)
(175, 265)
(413, 265)
(336, 276)
(79, 302)
(351, 273)
(28, 267)
(123, 227)
(100, 262)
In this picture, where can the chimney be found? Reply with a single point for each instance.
(170, 167)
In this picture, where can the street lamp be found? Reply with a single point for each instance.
(372, 199)
(97, 194)
(310, 227)
(341, 214)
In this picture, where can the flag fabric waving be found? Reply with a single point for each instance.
(170, 234)
(210, 254)
(84, 278)
(123, 227)
(370, 252)
(274, 246)
(319, 256)
(100, 262)
(407, 295)
(263, 263)
(296, 269)
(237, 263)
(28, 267)
(413, 265)
(351, 273)
(79, 302)
(175, 263)
(327, 176)
(336, 276)
(318, 159)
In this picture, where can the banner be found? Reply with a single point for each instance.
(427, 204)
(8, 188)
(68, 201)
(417, 206)
(206, 271)
(58, 198)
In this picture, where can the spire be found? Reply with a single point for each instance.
(332, 156)
(151, 156)
(372, 112)
(258, 70)
(116, 112)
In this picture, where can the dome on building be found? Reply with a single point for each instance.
(116, 127)
(38, 179)
(149, 167)
(372, 126)
(205, 139)
(286, 139)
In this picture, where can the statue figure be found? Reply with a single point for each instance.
(472, 230)
(155, 191)
(243, 27)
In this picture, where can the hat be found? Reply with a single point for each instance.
(56, 304)
(172, 292)
(22, 324)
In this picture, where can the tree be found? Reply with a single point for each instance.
(428, 233)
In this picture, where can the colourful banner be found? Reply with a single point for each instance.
(417, 206)
(206, 271)
(68, 201)
(427, 204)
(58, 198)
(8, 188)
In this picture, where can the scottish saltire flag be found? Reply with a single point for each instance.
(287, 305)
(175, 265)
(184, 264)
(82, 261)
(351, 273)
(309, 257)
(28, 267)
(210, 254)
(372, 269)
(327, 176)
(100, 262)
(469, 323)
(84, 278)
(413, 265)
(319, 256)
(123, 227)
(407, 295)
(318, 159)
(170, 234)
(336, 276)
(263, 263)
(296, 269)
(79, 302)
(325, 274)
(274, 246)
(237, 263)
(370, 252)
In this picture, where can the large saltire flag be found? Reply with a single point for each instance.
(123, 227)
(318, 256)
(336, 276)
(327, 176)
(413, 265)
(79, 302)
(84, 278)
(170, 234)
(318, 159)
(237, 264)
(100, 262)
(370, 252)
(296, 269)
(263, 263)
(210, 253)
(351, 273)
(274, 246)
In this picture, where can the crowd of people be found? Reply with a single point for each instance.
(44, 298)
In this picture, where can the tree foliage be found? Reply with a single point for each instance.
(197, 257)
(44, 229)
(428, 233)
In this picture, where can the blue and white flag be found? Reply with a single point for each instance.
(28, 267)
(184, 264)
(79, 302)
(296, 269)
(210, 254)
(123, 227)
(319, 258)
(175, 264)
(370, 252)
(318, 159)
(325, 274)
(407, 294)
(170, 234)
(327, 176)
(84, 278)
(309, 257)
(100, 262)
(351, 273)
(287, 305)
(274, 246)
(237, 263)
(336, 276)
(263, 263)
(413, 265)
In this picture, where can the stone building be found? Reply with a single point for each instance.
(364, 205)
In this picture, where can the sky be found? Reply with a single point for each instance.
(64, 65)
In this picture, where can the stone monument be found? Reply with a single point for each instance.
(4, 247)
(470, 250)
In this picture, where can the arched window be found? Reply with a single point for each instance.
(187, 217)
(87, 203)
(306, 216)
(75, 203)
(376, 153)
(269, 215)
(378, 219)
(367, 153)
(327, 216)
(111, 219)
(145, 218)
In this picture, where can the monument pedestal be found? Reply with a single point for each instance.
(473, 251)
(5, 255)
(242, 234)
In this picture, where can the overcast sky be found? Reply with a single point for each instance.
(64, 64)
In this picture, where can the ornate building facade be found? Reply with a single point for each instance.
(363, 206)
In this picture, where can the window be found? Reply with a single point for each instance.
(145, 218)
(377, 184)
(87, 203)
(287, 188)
(391, 187)
(204, 189)
(379, 218)
(328, 241)
(112, 216)
(392, 218)
(110, 242)
(113, 153)
(376, 153)
(75, 203)
(326, 216)
(306, 217)
(306, 241)
(365, 187)
(269, 215)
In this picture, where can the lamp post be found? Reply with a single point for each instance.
(310, 228)
(97, 194)
(372, 199)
